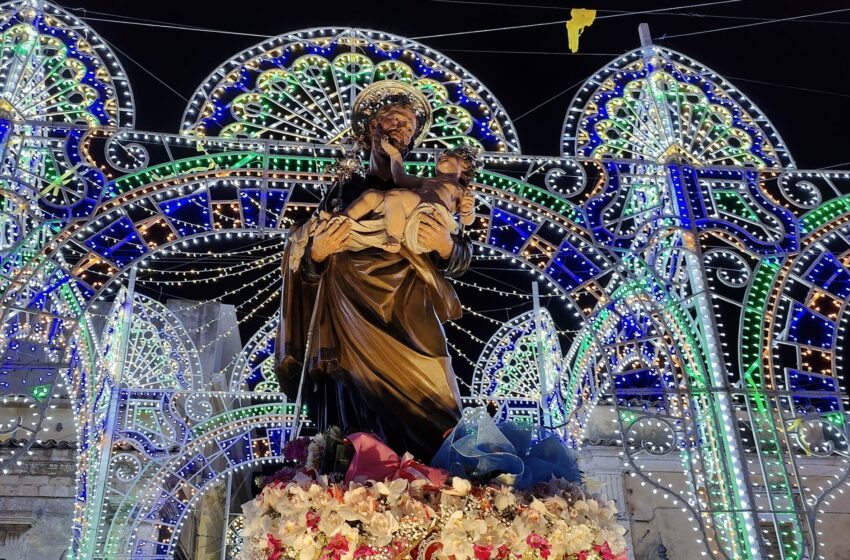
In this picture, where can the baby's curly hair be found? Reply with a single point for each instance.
(471, 156)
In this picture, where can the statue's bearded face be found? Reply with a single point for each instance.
(397, 123)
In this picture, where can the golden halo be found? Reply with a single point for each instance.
(383, 94)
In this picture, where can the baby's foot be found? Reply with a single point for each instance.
(392, 244)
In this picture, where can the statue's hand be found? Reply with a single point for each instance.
(467, 203)
(436, 235)
(330, 237)
(390, 150)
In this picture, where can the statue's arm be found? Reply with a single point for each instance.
(311, 270)
(401, 178)
(460, 258)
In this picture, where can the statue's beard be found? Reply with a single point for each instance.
(380, 132)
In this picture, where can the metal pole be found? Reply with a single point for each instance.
(111, 417)
(296, 426)
(545, 418)
(226, 515)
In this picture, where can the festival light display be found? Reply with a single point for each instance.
(705, 278)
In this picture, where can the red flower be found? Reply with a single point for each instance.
(313, 519)
(276, 546)
(334, 550)
(605, 552)
(502, 552)
(540, 543)
(482, 552)
(364, 551)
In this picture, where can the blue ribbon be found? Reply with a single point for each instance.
(480, 450)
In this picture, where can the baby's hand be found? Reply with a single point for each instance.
(467, 202)
(391, 150)
(467, 208)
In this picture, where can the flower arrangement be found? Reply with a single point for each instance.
(390, 507)
(315, 519)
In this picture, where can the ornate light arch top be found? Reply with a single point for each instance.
(658, 105)
(300, 87)
(53, 67)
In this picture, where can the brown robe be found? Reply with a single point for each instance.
(379, 360)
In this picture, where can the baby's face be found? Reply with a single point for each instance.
(449, 164)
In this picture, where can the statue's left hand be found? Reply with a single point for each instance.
(436, 235)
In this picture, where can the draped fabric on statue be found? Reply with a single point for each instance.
(379, 359)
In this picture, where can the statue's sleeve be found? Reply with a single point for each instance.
(311, 271)
(460, 259)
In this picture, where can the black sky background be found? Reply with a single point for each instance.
(810, 54)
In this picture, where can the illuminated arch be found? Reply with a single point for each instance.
(254, 367)
(508, 371)
(55, 68)
(300, 87)
(656, 104)
(161, 474)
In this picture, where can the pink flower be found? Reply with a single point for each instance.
(605, 552)
(540, 543)
(313, 519)
(334, 550)
(482, 552)
(276, 547)
(364, 551)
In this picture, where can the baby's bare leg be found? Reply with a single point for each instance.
(398, 205)
(367, 202)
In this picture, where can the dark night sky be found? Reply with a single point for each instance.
(792, 57)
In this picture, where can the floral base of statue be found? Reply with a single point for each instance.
(391, 507)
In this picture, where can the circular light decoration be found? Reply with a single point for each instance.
(728, 267)
(254, 366)
(233, 540)
(508, 370)
(800, 192)
(658, 105)
(54, 68)
(158, 353)
(653, 435)
(300, 87)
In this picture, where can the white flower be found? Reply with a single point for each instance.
(393, 491)
(306, 546)
(383, 526)
(475, 528)
(578, 538)
(460, 547)
(358, 504)
(330, 521)
(460, 487)
(591, 484)
(504, 498)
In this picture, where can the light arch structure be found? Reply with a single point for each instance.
(300, 87)
(632, 238)
(656, 104)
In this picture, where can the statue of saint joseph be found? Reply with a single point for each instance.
(378, 359)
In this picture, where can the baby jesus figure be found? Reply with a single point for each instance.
(402, 207)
